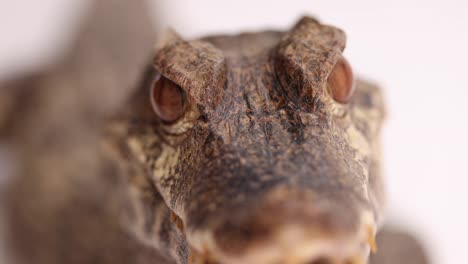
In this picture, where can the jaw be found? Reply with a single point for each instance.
(289, 244)
(292, 246)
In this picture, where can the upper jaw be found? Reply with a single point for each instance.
(296, 233)
(294, 247)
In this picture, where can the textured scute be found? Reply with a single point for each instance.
(261, 124)
(203, 69)
(305, 58)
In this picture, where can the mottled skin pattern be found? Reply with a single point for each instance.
(263, 158)
(264, 167)
(64, 199)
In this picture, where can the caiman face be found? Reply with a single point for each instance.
(262, 148)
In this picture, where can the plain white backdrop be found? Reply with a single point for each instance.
(416, 50)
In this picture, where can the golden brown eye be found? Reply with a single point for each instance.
(341, 81)
(167, 99)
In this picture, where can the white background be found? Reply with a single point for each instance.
(417, 51)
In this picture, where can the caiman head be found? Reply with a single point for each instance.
(263, 145)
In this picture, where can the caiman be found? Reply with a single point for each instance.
(256, 148)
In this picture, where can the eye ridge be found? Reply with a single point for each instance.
(168, 99)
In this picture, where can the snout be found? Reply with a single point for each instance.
(287, 225)
(306, 203)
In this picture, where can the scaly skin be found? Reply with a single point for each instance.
(263, 158)
(264, 167)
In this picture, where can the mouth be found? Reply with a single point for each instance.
(289, 234)
(293, 247)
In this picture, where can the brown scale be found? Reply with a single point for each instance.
(276, 132)
(226, 143)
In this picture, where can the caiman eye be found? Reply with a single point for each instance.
(341, 81)
(167, 99)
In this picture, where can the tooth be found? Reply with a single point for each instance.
(175, 219)
(371, 239)
(196, 257)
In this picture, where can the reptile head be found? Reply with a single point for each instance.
(253, 147)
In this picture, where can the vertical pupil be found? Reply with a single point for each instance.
(341, 81)
(167, 100)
